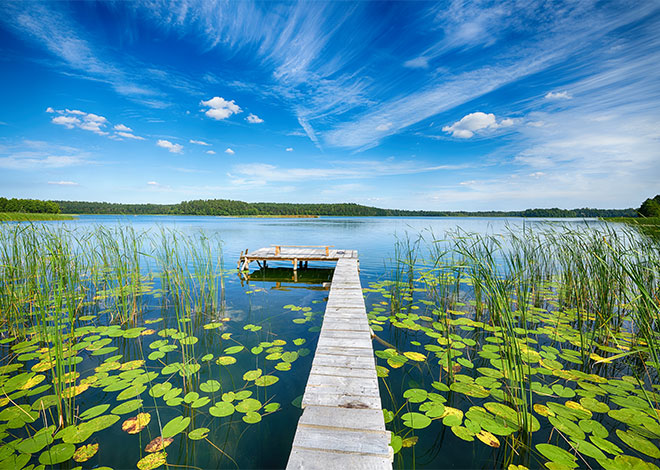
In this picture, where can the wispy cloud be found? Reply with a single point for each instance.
(230, 151)
(558, 95)
(173, 148)
(211, 152)
(264, 173)
(64, 183)
(199, 142)
(29, 155)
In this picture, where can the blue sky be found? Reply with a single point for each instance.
(442, 105)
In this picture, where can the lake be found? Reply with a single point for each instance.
(229, 368)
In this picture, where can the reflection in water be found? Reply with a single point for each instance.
(287, 278)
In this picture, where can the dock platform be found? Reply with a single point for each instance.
(342, 424)
(297, 254)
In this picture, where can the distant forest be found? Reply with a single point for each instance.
(226, 207)
(32, 206)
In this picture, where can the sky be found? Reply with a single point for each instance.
(449, 105)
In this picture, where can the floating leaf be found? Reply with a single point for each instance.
(34, 444)
(175, 426)
(127, 407)
(556, 454)
(271, 407)
(283, 366)
(210, 386)
(136, 424)
(266, 380)
(639, 443)
(252, 375)
(233, 349)
(252, 417)
(158, 444)
(415, 395)
(415, 356)
(222, 409)
(605, 445)
(151, 461)
(463, 433)
(225, 360)
(86, 452)
(199, 433)
(247, 405)
(488, 439)
(57, 454)
(415, 420)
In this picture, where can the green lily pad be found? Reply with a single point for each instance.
(639, 443)
(605, 445)
(557, 454)
(57, 454)
(463, 433)
(225, 360)
(127, 407)
(233, 349)
(252, 375)
(247, 405)
(210, 386)
(271, 407)
(266, 380)
(175, 426)
(567, 427)
(38, 441)
(415, 395)
(588, 449)
(199, 433)
(415, 420)
(222, 409)
(252, 417)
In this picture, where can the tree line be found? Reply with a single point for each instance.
(227, 207)
(28, 205)
(650, 207)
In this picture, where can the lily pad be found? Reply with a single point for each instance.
(252, 417)
(136, 424)
(266, 380)
(210, 386)
(199, 433)
(86, 452)
(152, 461)
(126, 407)
(415, 420)
(158, 444)
(225, 360)
(639, 443)
(415, 395)
(222, 409)
(175, 426)
(57, 454)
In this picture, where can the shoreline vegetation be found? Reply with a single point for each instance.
(226, 207)
(33, 216)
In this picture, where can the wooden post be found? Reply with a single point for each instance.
(295, 264)
(327, 251)
(277, 250)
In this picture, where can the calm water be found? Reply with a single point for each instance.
(267, 444)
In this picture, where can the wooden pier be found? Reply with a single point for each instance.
(299, 255)
(342, 425)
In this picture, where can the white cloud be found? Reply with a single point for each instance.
(230, 151)
(174, 148)
(289, 149)
(122, 128)
(64, 183)
(153, 183)
(558, 95)
(254, 119)
(71, 118)
(417, 63)
(211, 152)
(50, 110)
(199, 142)
(219, 108)
(475, 122)
(384, 127)
(128, 135)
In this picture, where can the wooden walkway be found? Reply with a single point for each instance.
(342, 425)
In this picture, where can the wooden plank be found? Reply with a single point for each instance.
(342, 424)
